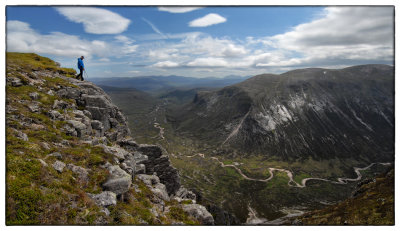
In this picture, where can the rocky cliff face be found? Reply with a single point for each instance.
(71, 159)
(318, 113)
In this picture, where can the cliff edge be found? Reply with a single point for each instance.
(70, 157)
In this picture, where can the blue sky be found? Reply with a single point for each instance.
(202, 42)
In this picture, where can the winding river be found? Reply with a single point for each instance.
(291, 182)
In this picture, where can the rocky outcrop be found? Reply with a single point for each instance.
(158, 162)
(222, 217)
(200, 213)
(119, 181)
(105, 118)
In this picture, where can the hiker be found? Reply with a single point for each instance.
(81, 68)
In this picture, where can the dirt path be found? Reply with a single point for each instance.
(161, 133)
(291, 182)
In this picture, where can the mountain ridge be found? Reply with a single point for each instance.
(352, 102)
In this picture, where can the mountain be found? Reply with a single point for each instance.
(317, 113)
(166, 83)
(71, 158)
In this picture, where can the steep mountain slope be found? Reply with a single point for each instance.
(372, 203)
(318, 113)
(70, 158)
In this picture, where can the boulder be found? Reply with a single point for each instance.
(59, 166)
(119, 180)
(105, 198)
(21, 135)
(78, 126)
(16, 82)
(116, 151)
(55, 154)
(60, 104)
(153, 183)
(82, 172)
(34, 95)
(185, 194)
(200, 213)
(55, 115)
(34, 107)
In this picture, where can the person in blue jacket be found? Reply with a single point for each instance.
(81, 68)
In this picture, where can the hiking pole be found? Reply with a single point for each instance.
(86, 74)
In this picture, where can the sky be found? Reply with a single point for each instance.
(128, 41)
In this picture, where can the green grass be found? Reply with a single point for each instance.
(30, 61)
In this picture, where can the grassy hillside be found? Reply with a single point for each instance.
(371, 204)
(37, 193)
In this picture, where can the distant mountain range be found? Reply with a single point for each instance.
(166, 83)
(318, 113)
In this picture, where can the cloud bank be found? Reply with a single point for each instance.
(208, 20)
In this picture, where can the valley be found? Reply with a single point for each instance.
(262, 187)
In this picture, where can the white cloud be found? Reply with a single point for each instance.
(95, 20)
(342, 35)
(124, 39)
(167, 64)
(208, 62)
(178, 9)
(22, 38)
(208, 20)
(210, 46)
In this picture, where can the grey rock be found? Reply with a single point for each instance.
(101, 114)
(115, 150)
(34, 95)
(79, 127)
(16, 82)
(55, 115)
(128, 144)
(59, 166)
(69, 130)
(87, 113)
(69, 92)
(200, 213)
(222, 217)
(153, 183)
(55, 154)
(34, 107)
(148, 180)
(45, 145)
(140, 169)
(140, 158)
(44, 164)
(185, 194)
(105, 211)
(50, 92)
(105, 198)
(100, 101)
(60, 104)
(113, 122)
(98, 127)
(119, 181)
(82, 172)
(21, 135)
